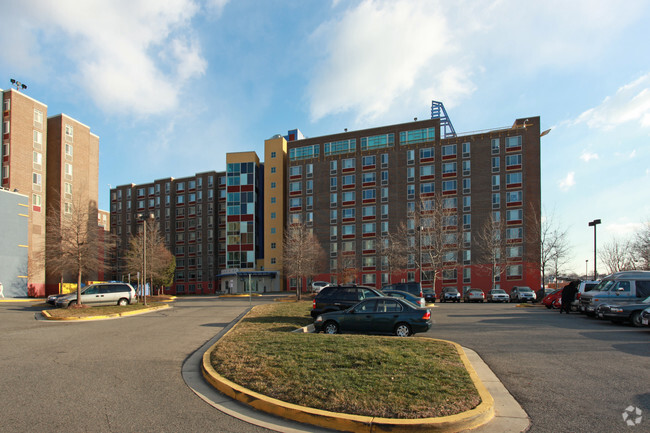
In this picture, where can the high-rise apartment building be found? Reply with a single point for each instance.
(24, 170)
(353, 190)
(54, 161)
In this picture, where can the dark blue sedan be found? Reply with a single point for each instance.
(377, 316)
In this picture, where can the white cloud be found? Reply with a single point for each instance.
(568, 182)
(130, 56)
(588, 156)
(623, 229)
(631, 103)
(379, 54)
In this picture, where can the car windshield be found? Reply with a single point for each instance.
(498, 291)
(604, 286)
(525, 289)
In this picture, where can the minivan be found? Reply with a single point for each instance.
(625, 286)
(101, 294)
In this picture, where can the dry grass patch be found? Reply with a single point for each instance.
(356, 374)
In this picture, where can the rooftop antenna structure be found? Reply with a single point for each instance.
(18, 84)
(438, 112)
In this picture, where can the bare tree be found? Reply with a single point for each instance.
(303, 254)
(72, 241)
(392, 253)
(491, 239)
(641, 247)
(160, 261)
(552, 237)
(617, 255)
(430, 239)
(346, 268)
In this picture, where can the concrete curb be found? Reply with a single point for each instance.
(473, 418)
(48, 316)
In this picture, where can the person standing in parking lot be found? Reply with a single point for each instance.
(568, 296)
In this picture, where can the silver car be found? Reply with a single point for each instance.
(497, 295)
(101, 294)
(522, 294)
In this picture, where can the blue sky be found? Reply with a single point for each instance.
(171, 86)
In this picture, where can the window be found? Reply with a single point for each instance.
(513, 179)
(273, 200)
(347, 181)
(333, 167)
(309, 170)
(514, 197)
(272, 169)
(38, 138)
(296, 170)
(466, 146)
(384, 160)
(514, 251)
(514, 271)
(513, 161)
(67, 207)
(449, 186)
(333, 234)
(496, 182)
(6, 127)
(6, 105)
(410, 174)
(36, 200)
(427, 170)
(495, 145)
(384, 177)
(368, 211)
(427, 188)
(467, 185)
(369, 160)
(36, 179)
(514, 233)
(369, 194)
(466, 167)
(348, 196)
(348, 213)
(273, 245)
(293, 186)
(333, 216)
(513, 142)
(370, 177)
(467, 203)
(496, 164)
(410, 157)
(410, 191)
(369, 228)
(448, 151)
(467, 221)
(273, 154)
(348, 229)
(5, 149)
(348, 164)
(333, 199)
(378, 141)
(448, 168)
(417, 136)
(496, 200)
(427, 153)
(38, 160)
(69, 132)
(273, 184)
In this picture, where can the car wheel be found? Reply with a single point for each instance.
(402, 330)
(635, 319)
(331, 328)
(122, 302)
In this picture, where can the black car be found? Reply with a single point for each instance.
(450, 294)
(429, 295)
(341, 297)
(624, 312)
(413, 288)
(381, 315)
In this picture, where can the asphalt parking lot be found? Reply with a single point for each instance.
(570, 373)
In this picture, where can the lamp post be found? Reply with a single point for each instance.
(420, 230)
(586, 264)
(144, 220)
(593, 224)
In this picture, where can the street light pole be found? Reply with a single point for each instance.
(420, 229)
(586, 264)
(593, 224)
(144, 254)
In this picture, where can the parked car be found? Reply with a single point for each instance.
(583, 287)
(316, 286)
(429, 295)
(412, 287)
(615, 288)
(450, 294)
(341, 297)
(522, 294)
(542, 293)
(418, 301)
(52, 298)
(474, 295)
(628, 312)
(497, 295)
(101, 294)
(549, 300)
(381, 315)
(645, 317)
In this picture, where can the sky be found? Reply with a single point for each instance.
(171, 86)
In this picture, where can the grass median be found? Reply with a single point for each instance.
(100, 311)
(355, 374)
